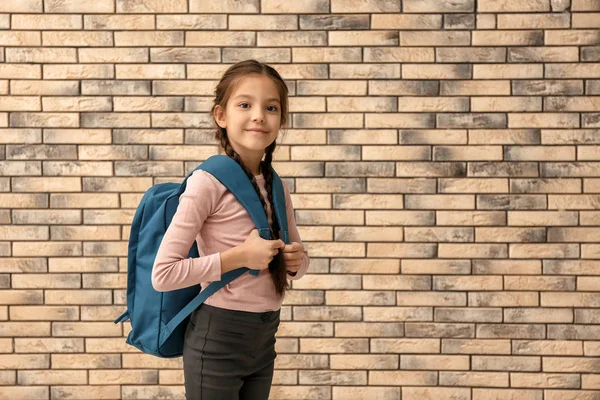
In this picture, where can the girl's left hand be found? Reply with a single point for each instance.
(292, 256)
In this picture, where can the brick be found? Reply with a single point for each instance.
(361, 266)
(571, 70)
(359, 38)
(548, 87)
(530, 380)
(41, 152)
(360, 298)
(507, 394)
(351, 234)
(513, 103)
(19, 103)
(572, 37)
(227, 6)
(52, 88)
(327, 313)
(87, 361)
(438, 234)
(434, 362)
(18, 71)
(439, 330)
(50, 377)
(426, 169)
(148, 38)
(472, 54)
(116, 184)
(334, 22)
(512, 331)
(370, 329)
(300, 392)
(475, 346)
(151, 6)
(24, 329)
(46, 22)
(569, 364)
(89, 71)
(508, 38)
(549, 120)
(441, 71)
(41, 313)
(79, 6)
(444, 6)
(154, 71)
(508, 6)
(404, 54)
(398, 314)
(539, 54)
(590, 53)
(433, 38)
(585, 5)
(434, 267)
(20, 392)
(282, 7)
(77, 39)
(22, 38)
(365, 393)
(209, 22)
(439, 201)
(542, 218)
(493, 379)
(507, 71)
(182, 88)
(475, 88)
(23, 6)
(334, 345)
(421, 345)
(44, 120)
(586, 20)
(533, 21)
(219, 38)
(328, 55)
(119, 22)
(459, 21)
(506, 363)
(81, 297)
(127, 377)
(262, 22)
(116, 88)
(547, 347)
(435, 393)
(46, 185)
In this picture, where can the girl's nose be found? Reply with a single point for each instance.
(258, 116)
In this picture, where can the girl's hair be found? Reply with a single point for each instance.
(223, 92)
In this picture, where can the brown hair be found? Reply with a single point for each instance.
(223, 92)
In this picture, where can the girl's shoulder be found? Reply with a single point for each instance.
(202, 183)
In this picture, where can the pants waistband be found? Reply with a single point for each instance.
(242, 316)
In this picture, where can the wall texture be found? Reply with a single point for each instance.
(443, 156)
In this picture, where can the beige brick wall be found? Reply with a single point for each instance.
(444, 157)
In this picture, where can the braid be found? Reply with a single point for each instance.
(277, 267)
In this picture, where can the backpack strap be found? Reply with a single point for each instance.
(211, 289)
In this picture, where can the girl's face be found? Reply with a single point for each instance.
(252, 115)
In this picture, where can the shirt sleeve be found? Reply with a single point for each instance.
(294, 234)
(172, 268)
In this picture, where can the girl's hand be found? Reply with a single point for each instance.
(260, 252)
(292, 256)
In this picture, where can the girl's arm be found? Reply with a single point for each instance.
(172, 268)
(294, 234)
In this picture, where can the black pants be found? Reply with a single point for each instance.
(229, 355)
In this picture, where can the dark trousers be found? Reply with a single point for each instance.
(228, 354)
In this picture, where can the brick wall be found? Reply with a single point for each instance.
(443, 157)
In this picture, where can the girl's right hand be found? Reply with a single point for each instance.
(260, 252)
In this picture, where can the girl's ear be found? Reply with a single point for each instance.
(220, 116)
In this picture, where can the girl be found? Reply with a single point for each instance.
(229, 348)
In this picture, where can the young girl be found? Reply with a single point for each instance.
(229, 348)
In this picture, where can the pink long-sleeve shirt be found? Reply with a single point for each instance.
(211, 215)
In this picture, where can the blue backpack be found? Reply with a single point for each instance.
(156, 317)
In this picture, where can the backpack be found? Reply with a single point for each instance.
(156, 317)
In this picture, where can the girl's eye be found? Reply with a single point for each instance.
(272, 108)
(244, 104)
